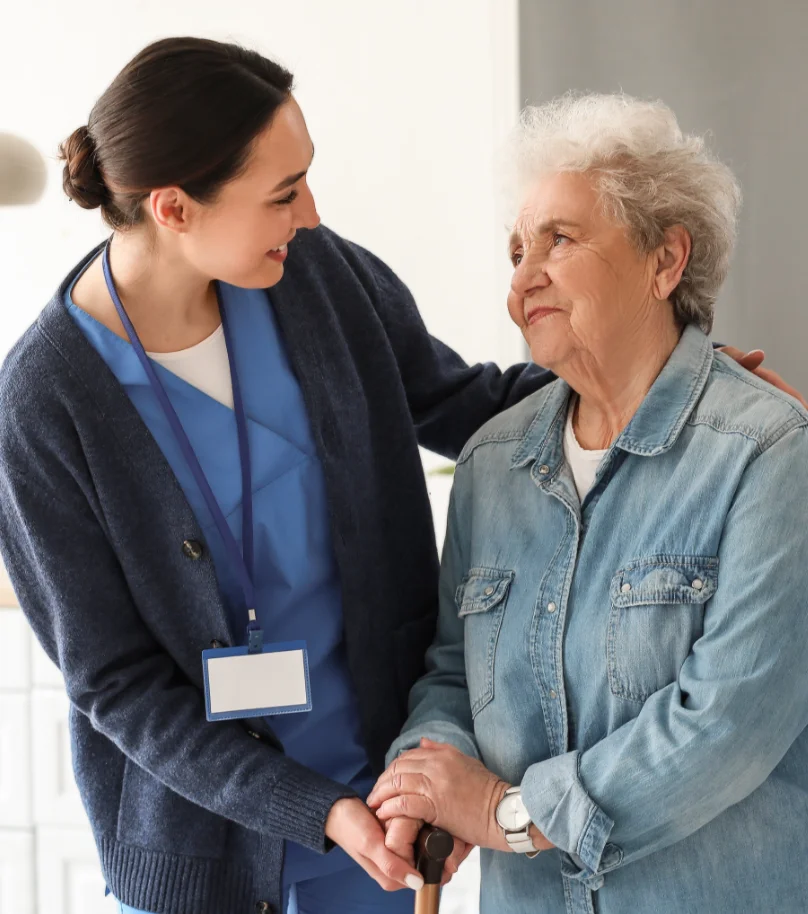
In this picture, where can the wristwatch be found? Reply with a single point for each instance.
(514, 820)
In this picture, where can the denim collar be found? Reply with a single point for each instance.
(655, 426)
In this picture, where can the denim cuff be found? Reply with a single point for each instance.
(440, 731)
(568, 817)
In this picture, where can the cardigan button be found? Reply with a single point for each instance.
(192, 549)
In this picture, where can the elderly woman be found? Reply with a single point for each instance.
(620, 680)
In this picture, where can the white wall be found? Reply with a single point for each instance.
(406, 102)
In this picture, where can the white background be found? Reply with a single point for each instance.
(407, 104)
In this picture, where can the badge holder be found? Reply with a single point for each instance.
(257, 680)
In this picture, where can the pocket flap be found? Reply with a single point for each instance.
(665, 579)
(482, 589)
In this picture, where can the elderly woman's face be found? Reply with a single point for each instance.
(579, 286)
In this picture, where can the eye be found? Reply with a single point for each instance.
(558, 238)
(290, 198)
(516, 258)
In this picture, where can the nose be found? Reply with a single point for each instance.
(306, 215)
(528, 276)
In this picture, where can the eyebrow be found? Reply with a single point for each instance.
(293, 179)
(545, 228)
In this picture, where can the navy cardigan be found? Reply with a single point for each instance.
(111, 570)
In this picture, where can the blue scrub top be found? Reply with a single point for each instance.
(297, 582)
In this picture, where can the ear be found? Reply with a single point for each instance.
(170, 208)
(672, 257)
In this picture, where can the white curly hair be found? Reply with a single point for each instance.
(650, 177)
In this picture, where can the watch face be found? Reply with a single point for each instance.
(511, 813)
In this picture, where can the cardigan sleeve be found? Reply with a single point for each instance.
(74, 593)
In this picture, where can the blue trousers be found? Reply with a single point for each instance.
(349, 891)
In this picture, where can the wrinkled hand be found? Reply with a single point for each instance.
(402, 833)
(354, 828)
(440, 785)
(752, 361)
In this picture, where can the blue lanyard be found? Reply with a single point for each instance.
(243, 562)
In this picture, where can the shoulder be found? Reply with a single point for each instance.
(323, 257)
(28, 381)
(508, 428)
(736, 402)
(48, 380)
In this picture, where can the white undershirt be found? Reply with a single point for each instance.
(204, 366)
(584, 464)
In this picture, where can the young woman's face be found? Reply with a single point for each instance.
(241, 237)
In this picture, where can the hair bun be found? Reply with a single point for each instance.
(82, 179)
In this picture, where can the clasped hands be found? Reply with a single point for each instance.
(435, 784)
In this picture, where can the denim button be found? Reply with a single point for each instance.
(551, 607)
(697, 584)
(626, 588)
(488, 591)
(253, 734)
(192, 549)
(544, 469)
(553, 693)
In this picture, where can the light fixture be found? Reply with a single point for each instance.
(22, 171)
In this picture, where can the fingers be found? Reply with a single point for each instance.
(396, 784)
(394, 871)
(749, 360)
(359, 833)
(771, 377)
(410, 805)
(459, 854)
(401, 837)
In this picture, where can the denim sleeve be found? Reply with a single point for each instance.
(440, 708)
(708, 740)
(448, 399)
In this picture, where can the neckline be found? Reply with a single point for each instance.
(572, 440)
(178, 354)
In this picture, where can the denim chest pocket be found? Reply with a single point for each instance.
(481, 600)
(657, 613)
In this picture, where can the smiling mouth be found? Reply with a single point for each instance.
(537, 314)
(279, 254)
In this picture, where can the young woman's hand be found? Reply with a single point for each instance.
(753, 360)
(354, 828)
(402, 833)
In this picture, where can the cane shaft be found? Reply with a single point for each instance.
(427, 901)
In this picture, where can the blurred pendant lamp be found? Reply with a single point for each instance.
(22, 171)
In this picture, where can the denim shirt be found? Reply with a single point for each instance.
(637, 662)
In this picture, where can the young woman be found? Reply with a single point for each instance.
(184, 454)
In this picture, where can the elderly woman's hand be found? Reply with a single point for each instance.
(402, 833)
(439, 784)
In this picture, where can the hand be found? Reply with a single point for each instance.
(752, 361)
(441, 785)
(354, 828)
(402, 834)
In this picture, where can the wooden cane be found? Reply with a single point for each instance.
(431, 850)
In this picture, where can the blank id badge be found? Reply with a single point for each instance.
(240, 684)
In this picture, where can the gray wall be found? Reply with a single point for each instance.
(735, 68)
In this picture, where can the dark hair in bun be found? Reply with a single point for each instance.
(82, 179)
(184, 112)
